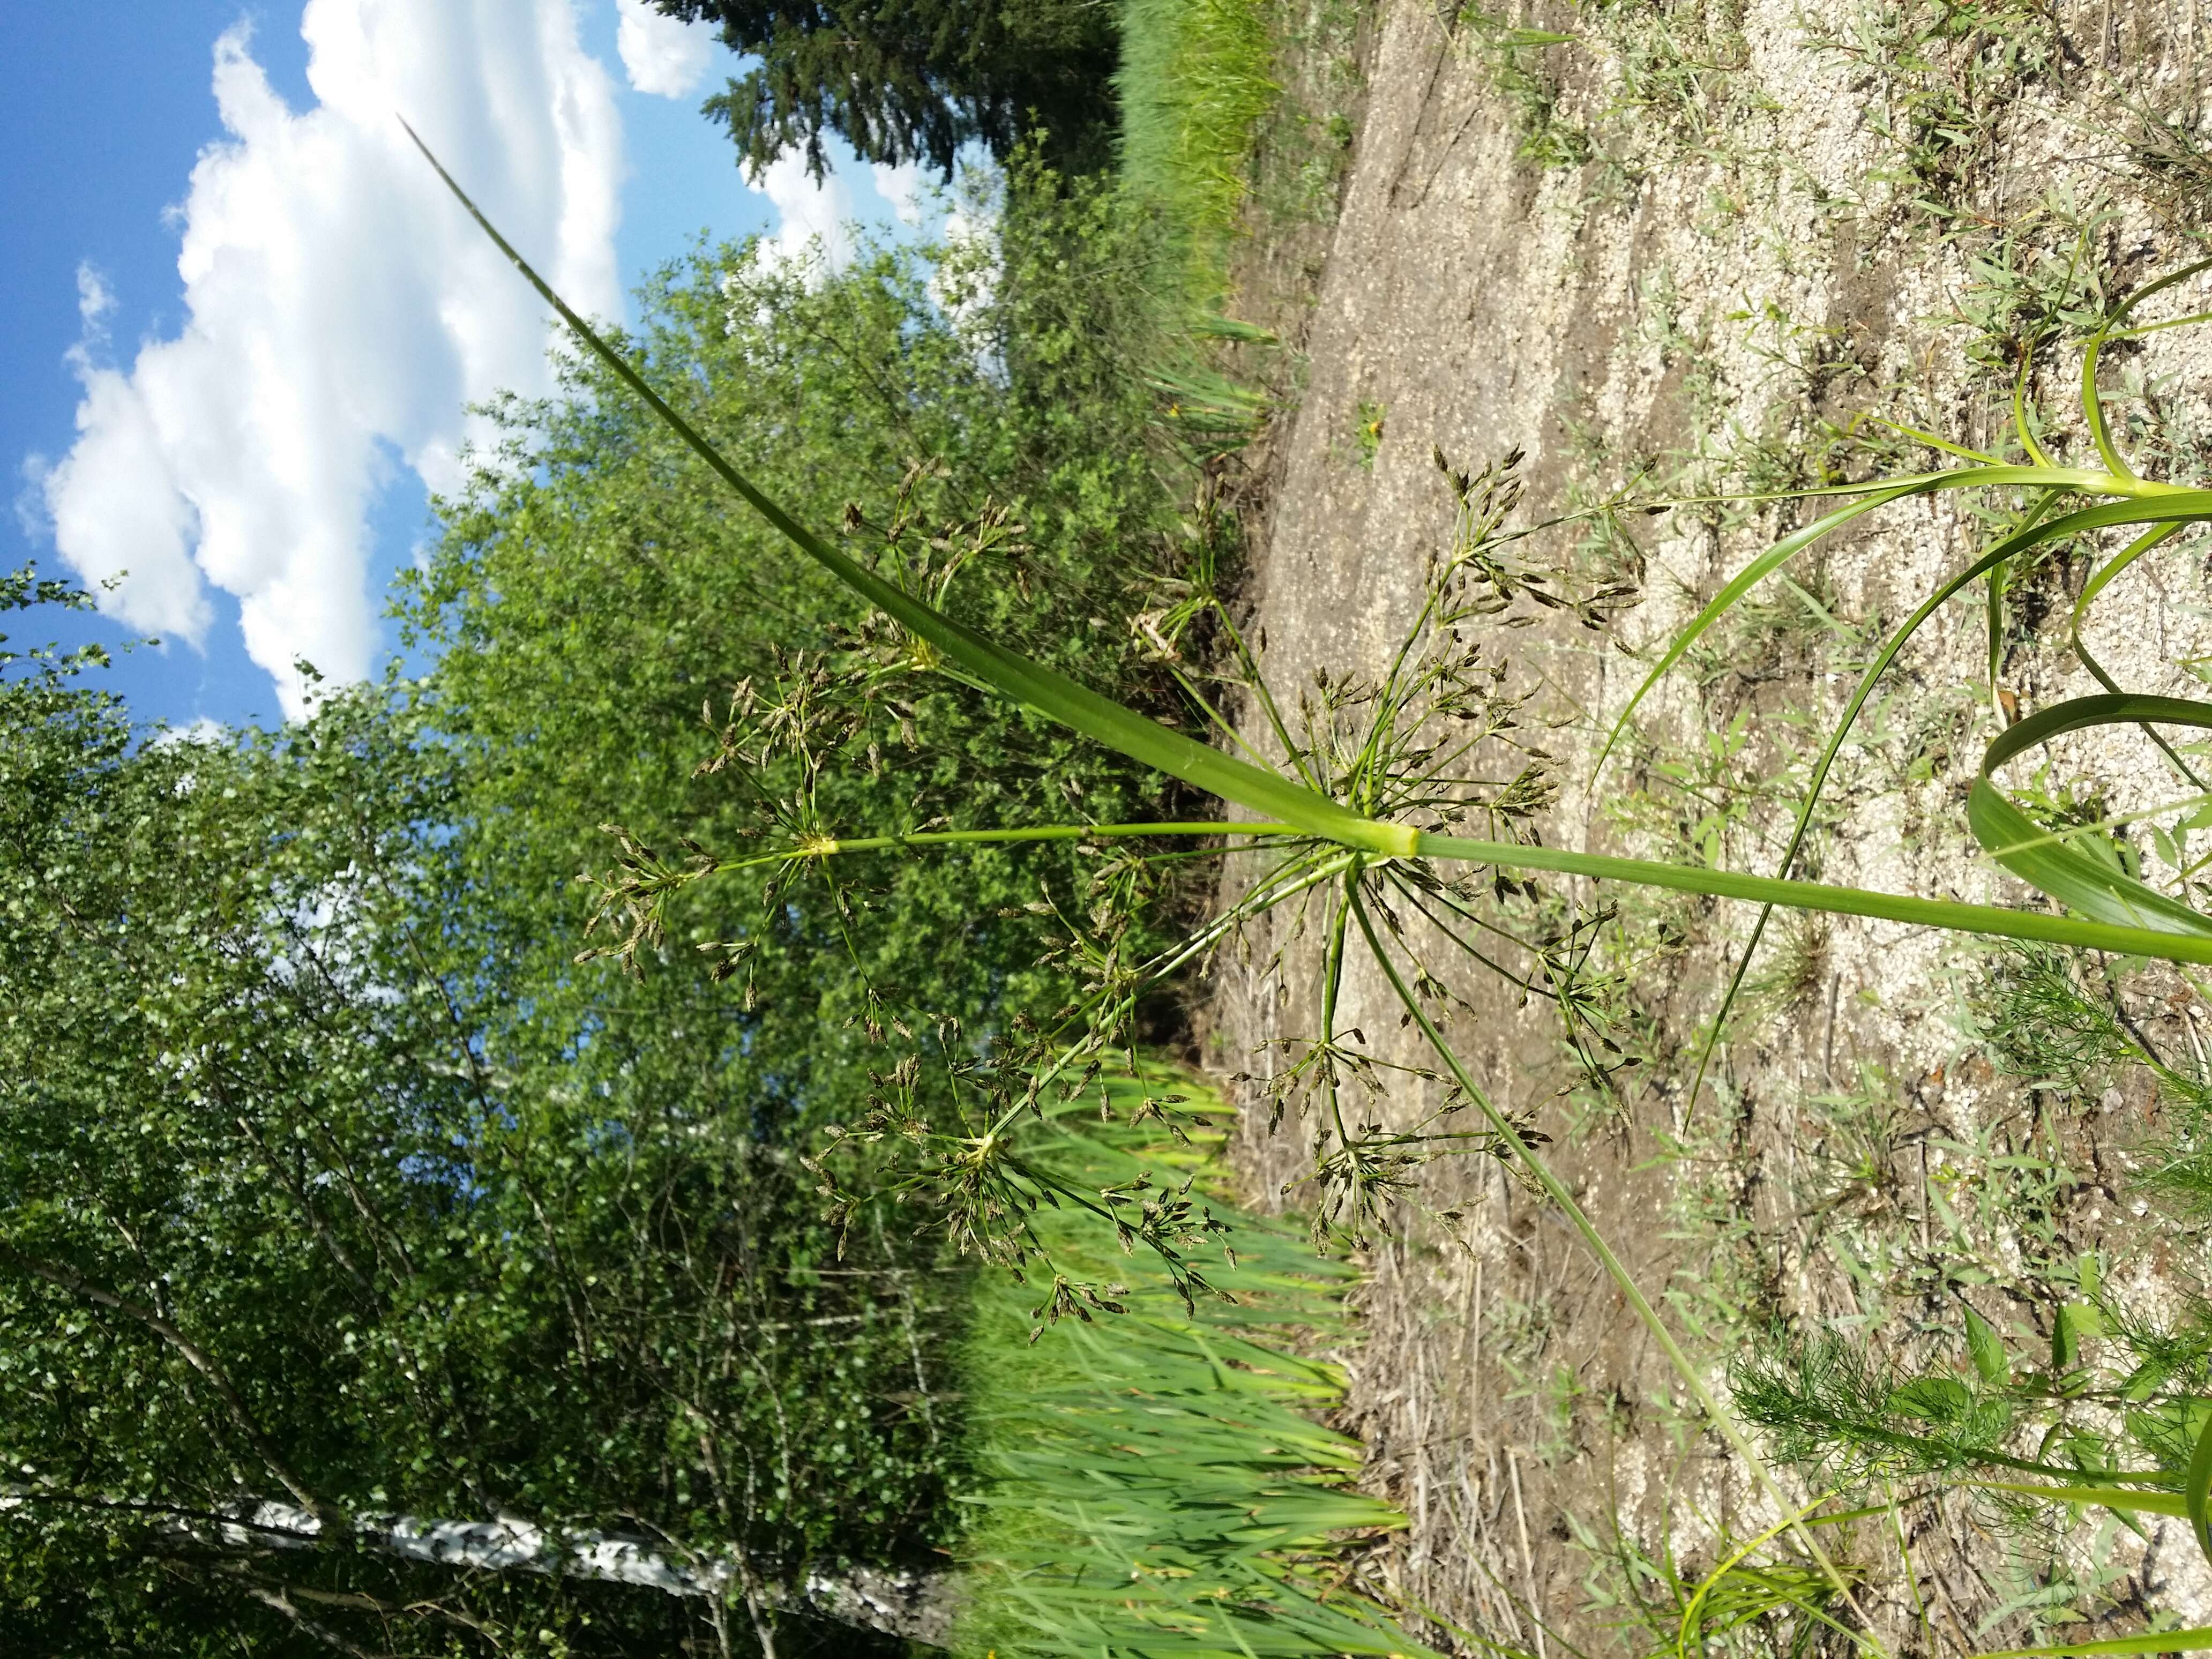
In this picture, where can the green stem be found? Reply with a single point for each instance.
(1275, 891)
(1282, 801)
(1332, 984)
(824, 847)
(1818, 781)
(2096, 584)
(1257, 684)
(1821, 896)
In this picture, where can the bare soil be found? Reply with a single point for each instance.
(1745, 259)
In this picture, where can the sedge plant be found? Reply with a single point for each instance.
(1376, 804)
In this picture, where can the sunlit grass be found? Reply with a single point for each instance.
(1156, 1483)
(1195, 81)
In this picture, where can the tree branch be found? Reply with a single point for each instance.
(198, 1358)
(330, 1639)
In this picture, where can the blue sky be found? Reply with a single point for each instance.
(181, 425)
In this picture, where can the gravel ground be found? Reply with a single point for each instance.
(1736, 264)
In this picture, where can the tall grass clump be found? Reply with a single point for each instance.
(1194, 83)
(1154, 1482)
(1415, 794)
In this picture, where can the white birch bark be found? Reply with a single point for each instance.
(914, 1605)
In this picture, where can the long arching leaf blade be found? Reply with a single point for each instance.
(2083, 882)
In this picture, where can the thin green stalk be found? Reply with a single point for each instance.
(1994, 564)
(2171, 1641)
(2093, 402)
(1918, 434)
(1904, 1559)
(2133, 1499)
(827, 846)
(1332, 984)
(1467, 947)
(2095, 586)
(2020, 420)
(1266, 697)
(1220, 722)
(2173, 501)
(1273, 892)
(1828, 899)
(1382, 734)
(1013, 675)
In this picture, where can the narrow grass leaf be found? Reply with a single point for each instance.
(2075, 878)
(1045, 689)
(1741, 583)
(2171, 1641)
(2131, 1500)
(2194, 1488)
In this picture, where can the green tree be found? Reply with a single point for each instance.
(594, 603)
(915, 80)
(375, 1275)
(336, 1269)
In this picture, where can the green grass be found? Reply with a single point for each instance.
(1155, 1483)
(1948, 70)
(1196, 91)
(1197, 77)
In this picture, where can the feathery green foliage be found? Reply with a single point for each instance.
(1193, 83)
(1154, 1482)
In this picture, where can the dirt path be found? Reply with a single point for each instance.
(1729, 266)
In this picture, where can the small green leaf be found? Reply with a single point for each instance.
(2075, 1320)
(1987, 1348)
(2069, 872)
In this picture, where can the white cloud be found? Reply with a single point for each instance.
(203, 732)
(816, 222)
(115, 505)
(905, 189)
(94, 300)
(341, 309)
(662, 55)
